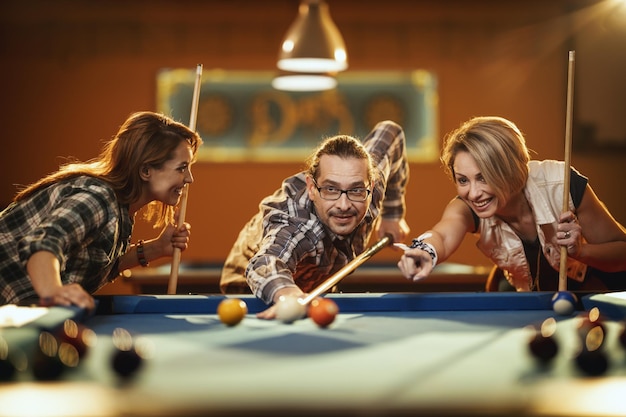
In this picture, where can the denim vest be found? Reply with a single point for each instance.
(498, 241)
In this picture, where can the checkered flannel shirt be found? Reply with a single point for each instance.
(78, 220)
(285, 243)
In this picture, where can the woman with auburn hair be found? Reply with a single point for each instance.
(514, 206)
(68, 234)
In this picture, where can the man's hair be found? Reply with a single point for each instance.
(343, 146)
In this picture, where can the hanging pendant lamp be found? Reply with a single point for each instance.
(313, 44)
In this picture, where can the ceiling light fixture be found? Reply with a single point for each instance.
(313, 44)
(304, 82)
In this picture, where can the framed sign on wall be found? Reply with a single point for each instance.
(242, 118)
(600, 85)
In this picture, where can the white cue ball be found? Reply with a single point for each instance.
(289, 309)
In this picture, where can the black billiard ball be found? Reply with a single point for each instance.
(543, 348)
(46, 362)
(126, 362)
(7, 367)
(543, 345)
(47, 368)
(129, 353)
(622, 336)
(592, 362)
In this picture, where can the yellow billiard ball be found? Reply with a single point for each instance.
(231, 311)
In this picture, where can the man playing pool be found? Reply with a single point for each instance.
(322, 217)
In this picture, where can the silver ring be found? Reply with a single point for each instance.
(567, 234)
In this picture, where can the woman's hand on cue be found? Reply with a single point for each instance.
(173, 237)
(569, 233)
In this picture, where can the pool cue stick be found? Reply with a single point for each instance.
(347, 269)
(173, 281)
(567, 160)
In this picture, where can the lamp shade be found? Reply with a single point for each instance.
(304, 82)
(313, 44)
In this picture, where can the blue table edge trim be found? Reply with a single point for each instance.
(348, 302)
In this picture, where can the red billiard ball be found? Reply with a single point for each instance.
(231, 311)
(77, 335)
(323, 311)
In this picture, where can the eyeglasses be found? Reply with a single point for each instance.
(334, 193)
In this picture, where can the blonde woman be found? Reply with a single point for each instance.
(514, 207)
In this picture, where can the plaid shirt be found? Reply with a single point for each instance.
(285, 244)
(78, 220)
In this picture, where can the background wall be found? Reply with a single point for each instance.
(72, 71)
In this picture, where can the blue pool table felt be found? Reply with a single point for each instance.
(455, 354)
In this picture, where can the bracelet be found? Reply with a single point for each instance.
(46, 301)
(141, 255)
(426, 247)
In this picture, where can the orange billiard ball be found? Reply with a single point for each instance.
(231, 311)
(323, 311)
